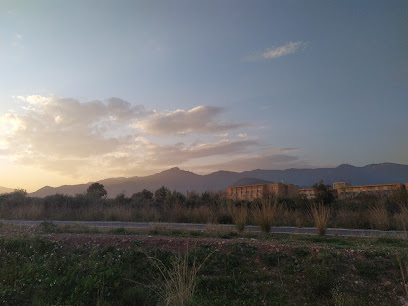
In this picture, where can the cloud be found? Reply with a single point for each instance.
(201, 119)
(276, 52)
(180, 153)
(66, 129)
(71, 137)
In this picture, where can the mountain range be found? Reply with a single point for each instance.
(184, 181)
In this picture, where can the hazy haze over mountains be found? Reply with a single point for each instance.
(183, 181)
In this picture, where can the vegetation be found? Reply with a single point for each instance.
(282, 270)
(323, 193)
(321, 217)
(265, 213)
(96, 190)
(364, 211)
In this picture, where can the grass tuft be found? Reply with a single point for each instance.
(321, 217)
(179, 281)
(265, 213)
(239, 216)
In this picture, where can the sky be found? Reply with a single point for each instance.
(97, 89)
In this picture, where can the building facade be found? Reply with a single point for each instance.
(262, 191)
(344, 190)
(382, 190)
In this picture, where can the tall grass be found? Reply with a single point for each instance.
(179, 281)
(378, 217)
(239, 216)
(265, 214)
(321, 216)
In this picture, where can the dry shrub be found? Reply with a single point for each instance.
(178, 282)
(203, 214)
(239, 216)
(265, 213)
(146, 214)
(117, 213)
(350, 219)
(321, 216)
(402, 219)
(29, 212)
(178, 213)
(378, 217)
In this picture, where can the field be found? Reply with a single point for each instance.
(50, 265)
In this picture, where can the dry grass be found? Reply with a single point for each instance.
(403, 219)
(179, 281)
(321, 216)
(29, 212)
(265, 214)
(239, 216)
(378, 217)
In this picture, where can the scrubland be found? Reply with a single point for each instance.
(362, 212)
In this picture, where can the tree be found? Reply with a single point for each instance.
(323, 193)
(96, 190)
(142, 196)
(147, 194)
(160, 194)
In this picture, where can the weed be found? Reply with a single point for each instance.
(179, 281)
(321, 217)
(265, 213)
(239, 216)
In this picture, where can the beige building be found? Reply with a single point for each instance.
(382, 190)
(262, 191)
(344, 190)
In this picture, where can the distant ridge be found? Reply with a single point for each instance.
(5, 190)
(250, 181)
(185, 181)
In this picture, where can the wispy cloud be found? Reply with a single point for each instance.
(276, 52)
